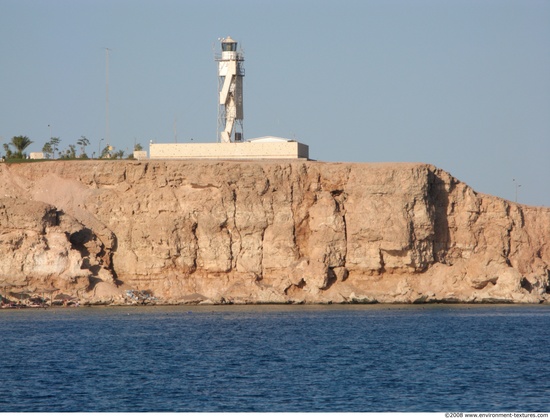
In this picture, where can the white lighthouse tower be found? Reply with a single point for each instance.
(230, 141)
(230, 88)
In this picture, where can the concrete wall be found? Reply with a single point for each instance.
(235, 150)
(140, 155)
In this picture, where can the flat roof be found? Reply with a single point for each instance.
(271, 139)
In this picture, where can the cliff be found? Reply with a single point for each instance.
(266, 232)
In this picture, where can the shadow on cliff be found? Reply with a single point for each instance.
(438, 199)
(95, 255)
(79, 239)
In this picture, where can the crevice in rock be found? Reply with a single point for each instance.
(382, 268)
(203, 186)
(294, 230)
(438, 207)
(266, 187)
(525, 284)
(339, 197)
(195, 246)
(331, 279)
(261, 266)
(145, 169)
(234, 255)
(345, 255)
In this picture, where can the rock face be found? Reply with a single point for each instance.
(266, 232)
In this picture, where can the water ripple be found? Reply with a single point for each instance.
(278, 359)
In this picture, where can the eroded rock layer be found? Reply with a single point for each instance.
(266, 232)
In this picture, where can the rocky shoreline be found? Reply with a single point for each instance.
(265, 232)
(130, 303)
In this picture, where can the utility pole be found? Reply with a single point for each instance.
(99, 149)
(107, 50)
(517, 187)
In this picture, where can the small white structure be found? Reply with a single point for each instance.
(36, 156)
(230, 88)
(140, 155)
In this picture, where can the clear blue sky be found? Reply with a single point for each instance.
(461, 84)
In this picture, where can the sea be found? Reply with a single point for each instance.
(276, 358)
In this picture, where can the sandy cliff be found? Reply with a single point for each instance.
(250, 232)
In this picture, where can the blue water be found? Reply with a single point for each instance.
(276, 358)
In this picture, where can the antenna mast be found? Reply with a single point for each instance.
(107, 96)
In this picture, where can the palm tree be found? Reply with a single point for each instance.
(71, 153)
(106, 152)
(8, 151)
(47, 149)
(20, 143)
(83, 142)
(54, 142)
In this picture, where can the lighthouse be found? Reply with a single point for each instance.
(230, 89)
(230, 143)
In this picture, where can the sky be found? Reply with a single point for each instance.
(460, 84)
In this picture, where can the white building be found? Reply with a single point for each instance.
(260, 148)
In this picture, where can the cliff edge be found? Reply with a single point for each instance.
(266, 232)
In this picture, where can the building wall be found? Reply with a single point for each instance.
(234, 150)
(140, 155)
